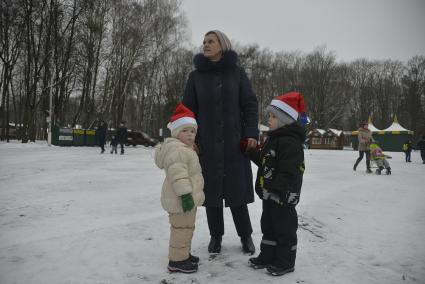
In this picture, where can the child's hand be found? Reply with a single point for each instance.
(247, 144)
(187, 202)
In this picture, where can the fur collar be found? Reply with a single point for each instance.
(228, 61)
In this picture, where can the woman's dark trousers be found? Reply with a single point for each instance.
(361, 154)
(240, 218)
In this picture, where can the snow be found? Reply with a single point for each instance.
(71, 215)
(321, 131)
(335, 131)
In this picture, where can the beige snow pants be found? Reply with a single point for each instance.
(182, 226)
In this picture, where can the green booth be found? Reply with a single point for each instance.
(90, 137)
(62, 136)
(78, 137)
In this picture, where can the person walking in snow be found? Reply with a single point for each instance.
(280, 172)
(101, 135)
(218, 91)
(114, 144)
(122, 136)
(182, 190)
(421, 147)
(380, 159)
(365, 138)
(407, 149)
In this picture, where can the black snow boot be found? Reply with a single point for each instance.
(248, 245)
(388, 171)
(379, 170)
(265, 258)
(279, 271)
(193, 258)
(368, 170)
(258, 263)
(184, 266)
(215, 245)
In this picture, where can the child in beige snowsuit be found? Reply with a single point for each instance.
(182, 190)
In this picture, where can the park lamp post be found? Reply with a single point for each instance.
(49, 118)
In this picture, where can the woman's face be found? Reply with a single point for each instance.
(211, 47)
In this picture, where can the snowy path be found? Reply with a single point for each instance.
(70, 215)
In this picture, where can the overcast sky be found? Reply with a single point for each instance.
(372, 29)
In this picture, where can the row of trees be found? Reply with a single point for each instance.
(124, 60)
(340, 95)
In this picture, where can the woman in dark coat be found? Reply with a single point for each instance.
(218, 91)
(101, 133)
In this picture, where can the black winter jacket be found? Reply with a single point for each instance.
(226, 110)
(421, 145)
(280, 164)
(122, 134)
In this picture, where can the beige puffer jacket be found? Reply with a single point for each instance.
(365, 138)
(183, 174)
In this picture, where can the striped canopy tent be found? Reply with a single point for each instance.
(393, 137)
(371, 126)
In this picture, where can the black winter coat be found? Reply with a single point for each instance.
(280, 164)
(421, 145)
(102, 130)
(226, 111)
(122, 134)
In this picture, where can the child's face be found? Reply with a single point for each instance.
(273, 122)
(187, 136)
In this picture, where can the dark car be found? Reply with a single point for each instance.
(140, 138)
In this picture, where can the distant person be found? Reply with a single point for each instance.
(365, 138)
(219, 92)
(279, 180)
(114, 144)
(379, 158)
(407, 149)
(421, 147)
(101, 134)
(182, 190)
(122, 136)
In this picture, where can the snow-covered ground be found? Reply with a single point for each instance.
(71, 215)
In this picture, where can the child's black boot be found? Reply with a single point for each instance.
(184, 266)
(379, 170)
(388, 171)
(279, 271)
(193, 258)
(265, 258)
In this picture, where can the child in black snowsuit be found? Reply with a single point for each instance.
(114, 144)
(280, 164)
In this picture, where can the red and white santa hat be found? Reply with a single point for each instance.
(292, 104)
(182, 117)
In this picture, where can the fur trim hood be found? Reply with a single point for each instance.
(203, 64)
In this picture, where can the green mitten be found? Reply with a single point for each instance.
(187, 202)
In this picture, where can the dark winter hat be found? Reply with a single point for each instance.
(292, 106)
(223, 40)
(180, 119)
